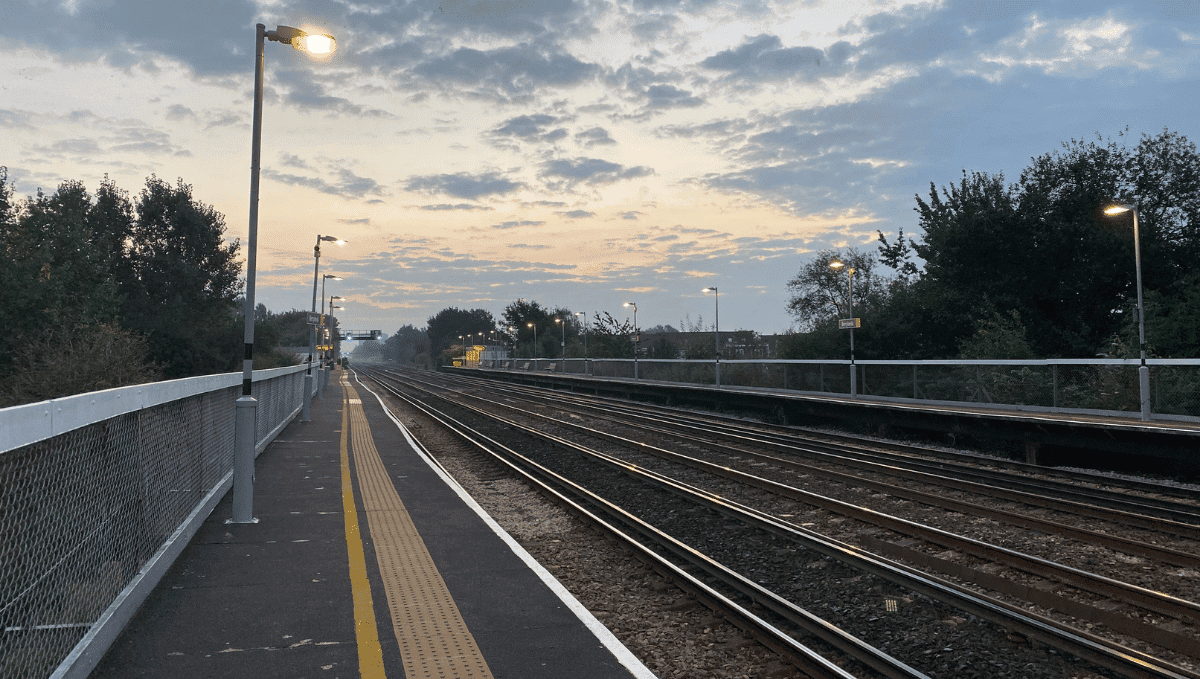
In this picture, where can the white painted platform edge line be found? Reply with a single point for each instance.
(606, 637)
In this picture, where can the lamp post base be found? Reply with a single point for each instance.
(306, 416)
(1144, 391)
(243, 460)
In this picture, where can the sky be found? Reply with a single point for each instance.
(576, 153)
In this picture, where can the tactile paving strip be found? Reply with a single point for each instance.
(434, 641)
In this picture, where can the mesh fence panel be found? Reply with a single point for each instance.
(82, 512)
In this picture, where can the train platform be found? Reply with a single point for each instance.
(367, 560)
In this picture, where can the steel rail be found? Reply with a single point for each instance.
(575, 497)
(1149, 600)
(924, 452)
(1141, 548)
(1082, 644)
(1179, 518)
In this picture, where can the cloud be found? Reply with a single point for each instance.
(669, 96)
(503, 17)
(567, 173)
(180, 112)
(652, 28)
(16, 119)
(463, 185)
(514, 224)
(632, 214)
(764, 57)
(305, 92)
(292, 160)
(458, 206)
(596, 136)
(529, 128)
(347, 184)
(506, 74)
(654, 90)
(577, 214)
(134, 32)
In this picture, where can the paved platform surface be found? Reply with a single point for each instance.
(289, 597)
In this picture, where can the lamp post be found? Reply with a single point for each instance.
(636, 338)
(586, 363)
(247, 406)
(327, 355)
(835, 264)
(1143, 370)
(321, 382)
(534, 326)
(716, 329)
(563, 322)
(312, 331)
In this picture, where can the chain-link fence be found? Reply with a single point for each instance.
(1089, 385)
(96, 487)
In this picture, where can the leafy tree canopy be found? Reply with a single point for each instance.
(446, 325)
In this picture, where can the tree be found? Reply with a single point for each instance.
(1043, 249)
(408, 346)
(186, 281)
(62, 299)
(521, 313)
(1001, 337)
(820, 292)
(445, 327)
(610, 338)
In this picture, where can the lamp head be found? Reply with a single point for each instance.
(1117, 209)
(835, 264)
(632, 304)
(312, 43)
(333, 277)
(709, 290)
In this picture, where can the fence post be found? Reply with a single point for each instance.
(915, 392)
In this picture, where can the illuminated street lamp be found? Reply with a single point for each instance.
(586, 362)
(1143, 371)
(716, 329)
(312, 331)
(531, 325)
(247, 406)
(563, 322)
(325, 375)
(835, 264)
(636, 338)
(328, 352)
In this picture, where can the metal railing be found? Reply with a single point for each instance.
(1091, 386)
(99, 493)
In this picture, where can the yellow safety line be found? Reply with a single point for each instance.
(433, 637)
(370, 653)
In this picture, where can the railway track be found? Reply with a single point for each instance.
(713, 482)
